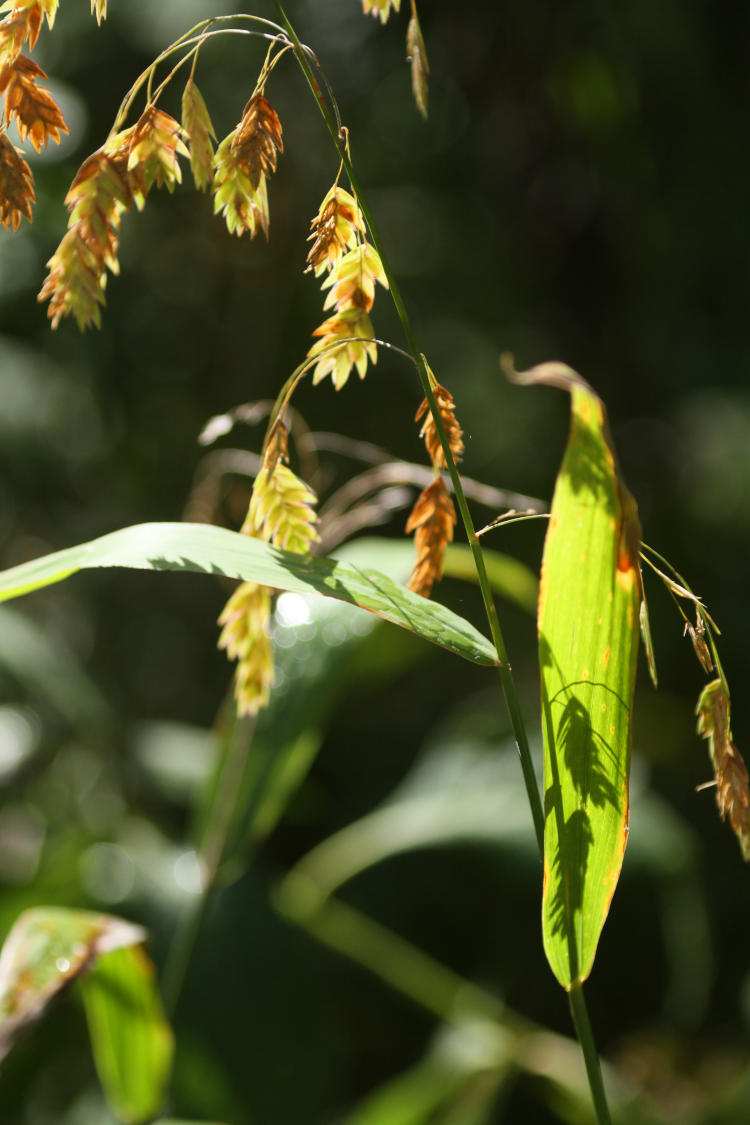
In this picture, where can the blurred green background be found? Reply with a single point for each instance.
(579, 193)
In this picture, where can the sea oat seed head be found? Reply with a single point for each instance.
(732, 788)
(244, 207)
(334, 229)
(199, 130)
(453, 430)
(281, 510)
(257, 141)
(244, 636)
(353, 328)
(433, 518)
(381, 8)
(16, 185)
(36, 113)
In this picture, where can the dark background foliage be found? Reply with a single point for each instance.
(579, 192)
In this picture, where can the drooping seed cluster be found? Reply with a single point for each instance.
(123, 171)
(433, 517)
(282, 513)
(35, 112)
(351, 267)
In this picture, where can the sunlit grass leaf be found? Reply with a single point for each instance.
(214, 550)
(47, 948)
(589, 600)
(130, 1037)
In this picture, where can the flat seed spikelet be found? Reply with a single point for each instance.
(256, 142)
(199, 130)
(381, 8)
(244, 636)
(244, 207)
(352, 267)
(99, 195)
(334, 229)
(345, 343)
(16, 185)
(732, 790)
(21, 24)
(352, 279)
(453, 430)
(155, 144)
(99, 9)
(281, 510)
(35, 111)
(433, 519)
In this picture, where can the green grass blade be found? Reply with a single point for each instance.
(214, 550)
(588, 639)
(131, 1040)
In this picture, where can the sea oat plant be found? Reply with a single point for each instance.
(592, 598)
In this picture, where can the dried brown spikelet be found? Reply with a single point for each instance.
(381, 8)
(281, 510)
(732, 789)
(697, 634)
(416, 52)
(352, 329)
(155, 144)
(16, 185)
(244, 636)
(433, 519)
(277, 447)
(22, 23)
(199, 130)
(257, 142)
(334, 229)
(453, 430)
(35, 111)
(244, 207)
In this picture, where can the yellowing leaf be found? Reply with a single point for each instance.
(589, 600)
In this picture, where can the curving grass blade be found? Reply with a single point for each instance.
(214, 550)
(589, 600)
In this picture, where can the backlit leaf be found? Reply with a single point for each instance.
(589, 600)
(214, 550)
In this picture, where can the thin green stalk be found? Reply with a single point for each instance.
(582, 1024)
(211, 853)
(506, 676)
(577, 1001)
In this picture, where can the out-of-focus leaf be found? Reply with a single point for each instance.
(588, 641)
(48, 669)
(47, 948)
(456, 1081)
(508, 577)
(459, 794)
(130, 1037)
(214, 550)
(316, 640)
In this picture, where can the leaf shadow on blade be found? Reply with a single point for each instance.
(584, 752)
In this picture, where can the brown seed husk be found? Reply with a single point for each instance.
(257, 139)
(451, 425)
(433, 519)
